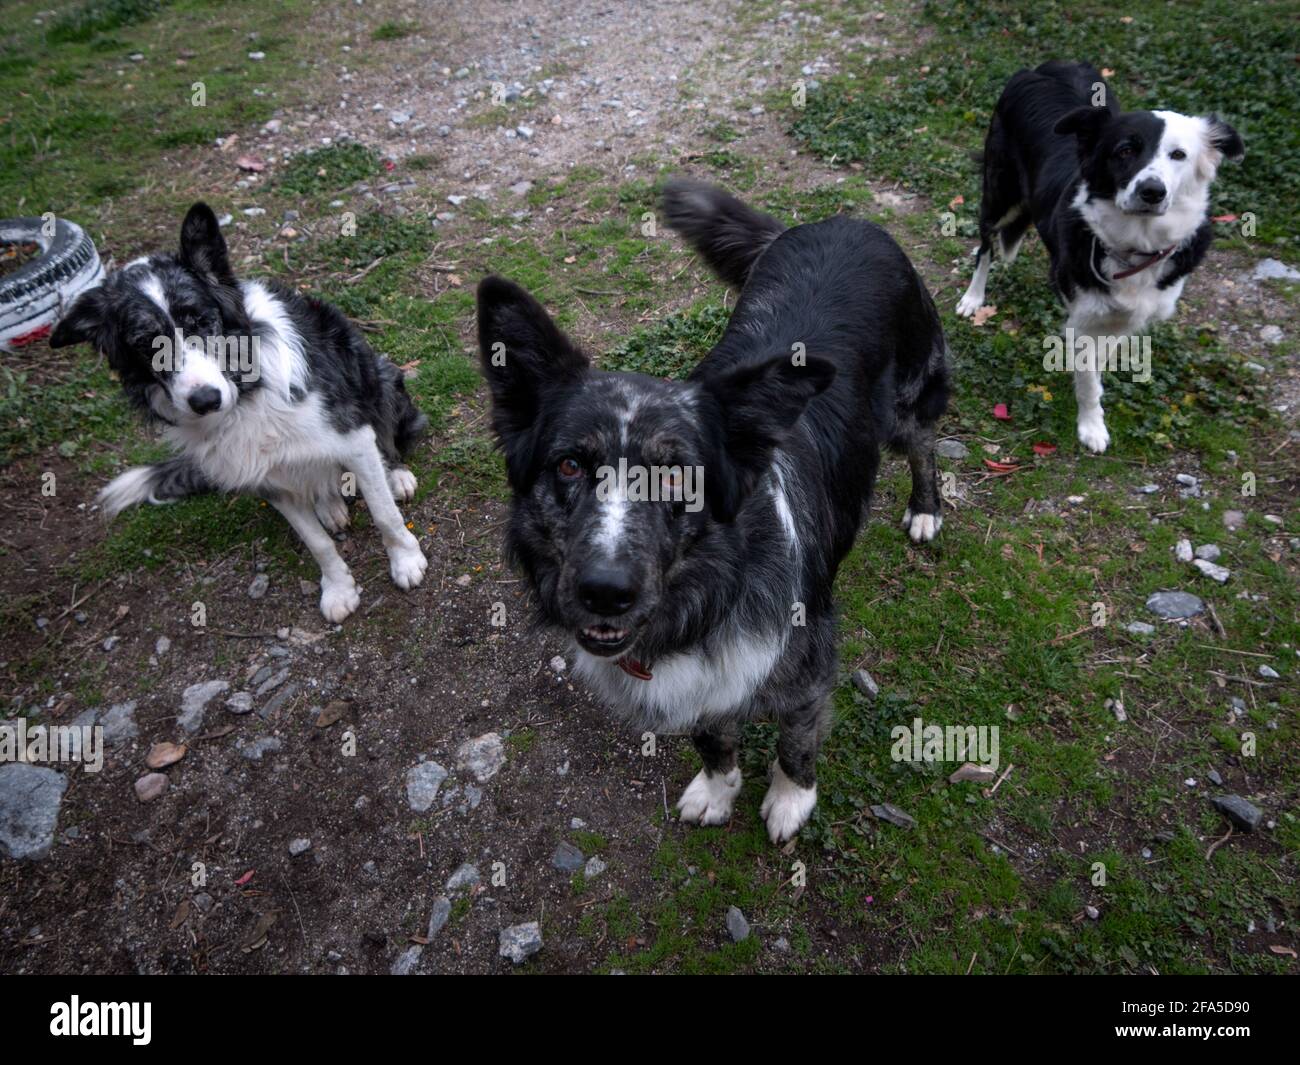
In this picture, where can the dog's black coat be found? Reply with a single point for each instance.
(763, 424)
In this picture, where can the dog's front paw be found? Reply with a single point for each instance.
(407, 565)
(969, 304)
(332, 512)
(786, 806)
(403, 483)
(339, 597)
(922, 527)
(707, 799)
(1092, 433)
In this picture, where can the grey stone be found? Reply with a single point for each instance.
(203, 902)
(1147, 489)
(162, 646)
(466, 876)
(951, 449)
(567, 858)
(439, 917)
(118, 723)
(30, 797)
(272, 682)
(1175, 605)
(483, 756)
(1268, 673)
(240, 703)
(258, 586)
(1243, 815)
(1271, 334)
(1209, 552)
(887, 811)
(111, 642)
(274, 704)
(299, 846)
(1140, 628)
(1215, 779)
(1183, 550)
(866, 684)
(422, 784)
(194, 700)
(407, 961)
(399, 118)
(1272, 269)
(259, 747)
(1211, 570)
(520, 942)
(737, 926)
(1233, 520)
(594, 867)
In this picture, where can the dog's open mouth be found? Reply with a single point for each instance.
(604, 640)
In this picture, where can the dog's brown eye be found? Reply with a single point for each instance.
(569, 469)
(1178, 153)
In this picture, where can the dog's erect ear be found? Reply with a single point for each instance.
(203, 248)
(523, 354)
(1223, 138)
(85, 320)
(759, 404)
(1086, 123)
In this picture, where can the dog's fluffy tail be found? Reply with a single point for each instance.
(163, 482)
(727, 234)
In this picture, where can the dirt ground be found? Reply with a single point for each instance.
(212, 876)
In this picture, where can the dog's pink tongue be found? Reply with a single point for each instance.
(633, 668)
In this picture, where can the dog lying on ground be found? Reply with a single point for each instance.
(1120, 199)
(262, 391)
(701, 610)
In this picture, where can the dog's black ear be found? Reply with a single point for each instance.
(1224, 139)
(85, 320)
(1086, 123)
(758, 404)
(203, 248)
(523, 354)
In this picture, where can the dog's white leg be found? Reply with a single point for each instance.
(1088, 341)
(708, 798)
(973, 300)
(786, 806)
(406, 562)
(339, 594)
(403, 483)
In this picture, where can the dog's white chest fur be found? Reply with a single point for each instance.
(689, 687)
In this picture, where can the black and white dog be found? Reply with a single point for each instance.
(698, 614)
(1120, 199)
(261, 390)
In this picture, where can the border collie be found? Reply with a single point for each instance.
(1120, 198)
(262, 391)
(700, 618)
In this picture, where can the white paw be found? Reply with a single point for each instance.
(922, 527)
(407, 565)
(402, 482)
(339, 598)
(332, 512)
(786, 806)
(970, 303)
(707, 799)
(1092, 432)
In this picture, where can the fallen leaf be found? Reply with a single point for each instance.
(332, 712)
(1001, 467)
(983, 314)
(257, 937)
(250, 163)
(1106, 72)
(1044, 449)
(1001, 413)
(570, 258)
(245, 878)
(161, 755)
(1224, 218)
(181, 915)
(957, 201)
(1283, 950)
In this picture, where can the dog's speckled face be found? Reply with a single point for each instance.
(624, 485)
(173, 328)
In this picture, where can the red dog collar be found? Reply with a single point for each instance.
(1155, 258)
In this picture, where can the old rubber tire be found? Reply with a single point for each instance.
(34, 295)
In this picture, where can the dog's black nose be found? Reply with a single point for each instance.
(607, 590)
(205, 399)
(1151, 191)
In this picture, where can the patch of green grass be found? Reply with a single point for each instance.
(85, 20)
(392, 31)
(672, 347)
(916, 117)
(328, 169)
(74, 412)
